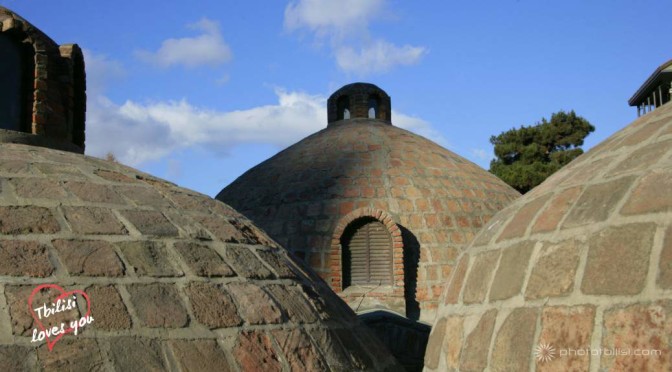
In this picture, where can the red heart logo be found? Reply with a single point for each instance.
(63, 294)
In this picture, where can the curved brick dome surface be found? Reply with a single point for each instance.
(176, 280)
(431, 201)
(583, 262)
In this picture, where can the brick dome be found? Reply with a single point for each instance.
(583, 264)
(176, 280)
(429, 201)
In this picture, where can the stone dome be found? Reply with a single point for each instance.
(424, 202)
(174, 280)
(582, 264)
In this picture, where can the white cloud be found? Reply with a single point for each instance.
(346, 24)
(331, 17)
(377, 57)
(208, 48)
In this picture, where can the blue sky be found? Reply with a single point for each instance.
(199, 92)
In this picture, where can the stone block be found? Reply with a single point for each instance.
(93, 220)
(551, 216)
(254, 352)
(27, 220)
(665, 262)
(212, 306)
(455, 286)
(107, 308)
(200, 355)
(72, 354)
(522, 219)
(618, 260)
(15, 358)
(114, 176)
(150, 222)
(95, 193)
(434, 347)
(300, 353)
(293, 302)
(597, 202)
(564, 327)
(553, 273)
(479, 278)
(333, 351)
(136, 354)
(89, 257)
(278, 261)
(477, 345)
(511, 272)
(246, 264)
(651, 195)
(143, 196)
(38, 188)
(158, 305)
(642, 328)
(255, 305)
(148, 258)
(24, 258)
(203, 260)
(22, 320)
(513, 343)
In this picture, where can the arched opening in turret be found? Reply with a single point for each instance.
(343, 107)
(374, 106)
(12, 97)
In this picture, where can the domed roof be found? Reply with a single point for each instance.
(583, 262)
(173, 279)
(430, 200)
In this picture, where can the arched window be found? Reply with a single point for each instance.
(367, 253)
(373, 106)
(343, 108)
(11, 74)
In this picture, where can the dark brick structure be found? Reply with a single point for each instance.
(431, 201)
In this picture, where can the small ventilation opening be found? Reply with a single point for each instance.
(343, 108)
(374, 103)
(367, 253)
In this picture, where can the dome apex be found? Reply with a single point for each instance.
(359, 100)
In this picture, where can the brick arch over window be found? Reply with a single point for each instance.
(336, 254)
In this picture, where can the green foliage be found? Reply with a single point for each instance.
(528, 155)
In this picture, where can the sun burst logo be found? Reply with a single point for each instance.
(544, 352)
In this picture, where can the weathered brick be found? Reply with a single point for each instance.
(212, 306)
(254, 305)
(95, 193)
(480, 276)
(277, 260)
(61, 171)
(455, 286)
(293, 302)
(361, 360)
(114, 176)
(644, 327)
(203, 260)
(89, 257)
(40, 188)
(554, 272)
(158, 305)
(20, 314)
(15, 358)
(199, 355)
(651, 195)
(24, 258)
(93, 220)
(565, 327)
(665, 262)
(299, 351)
(108, 309)
(150, 222)
(642, 158)
(551, 216)
(475, 351)
(246, 264)
(254, 352)
(513, 343)
(337, 358)
(618, 260)
(226, 230)
(26, 220)
(452, 344)
(597, 202)
(522, 219)
(72, 354)
(143, 196)
(136, 354)
(148, 258)
(511, 272)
